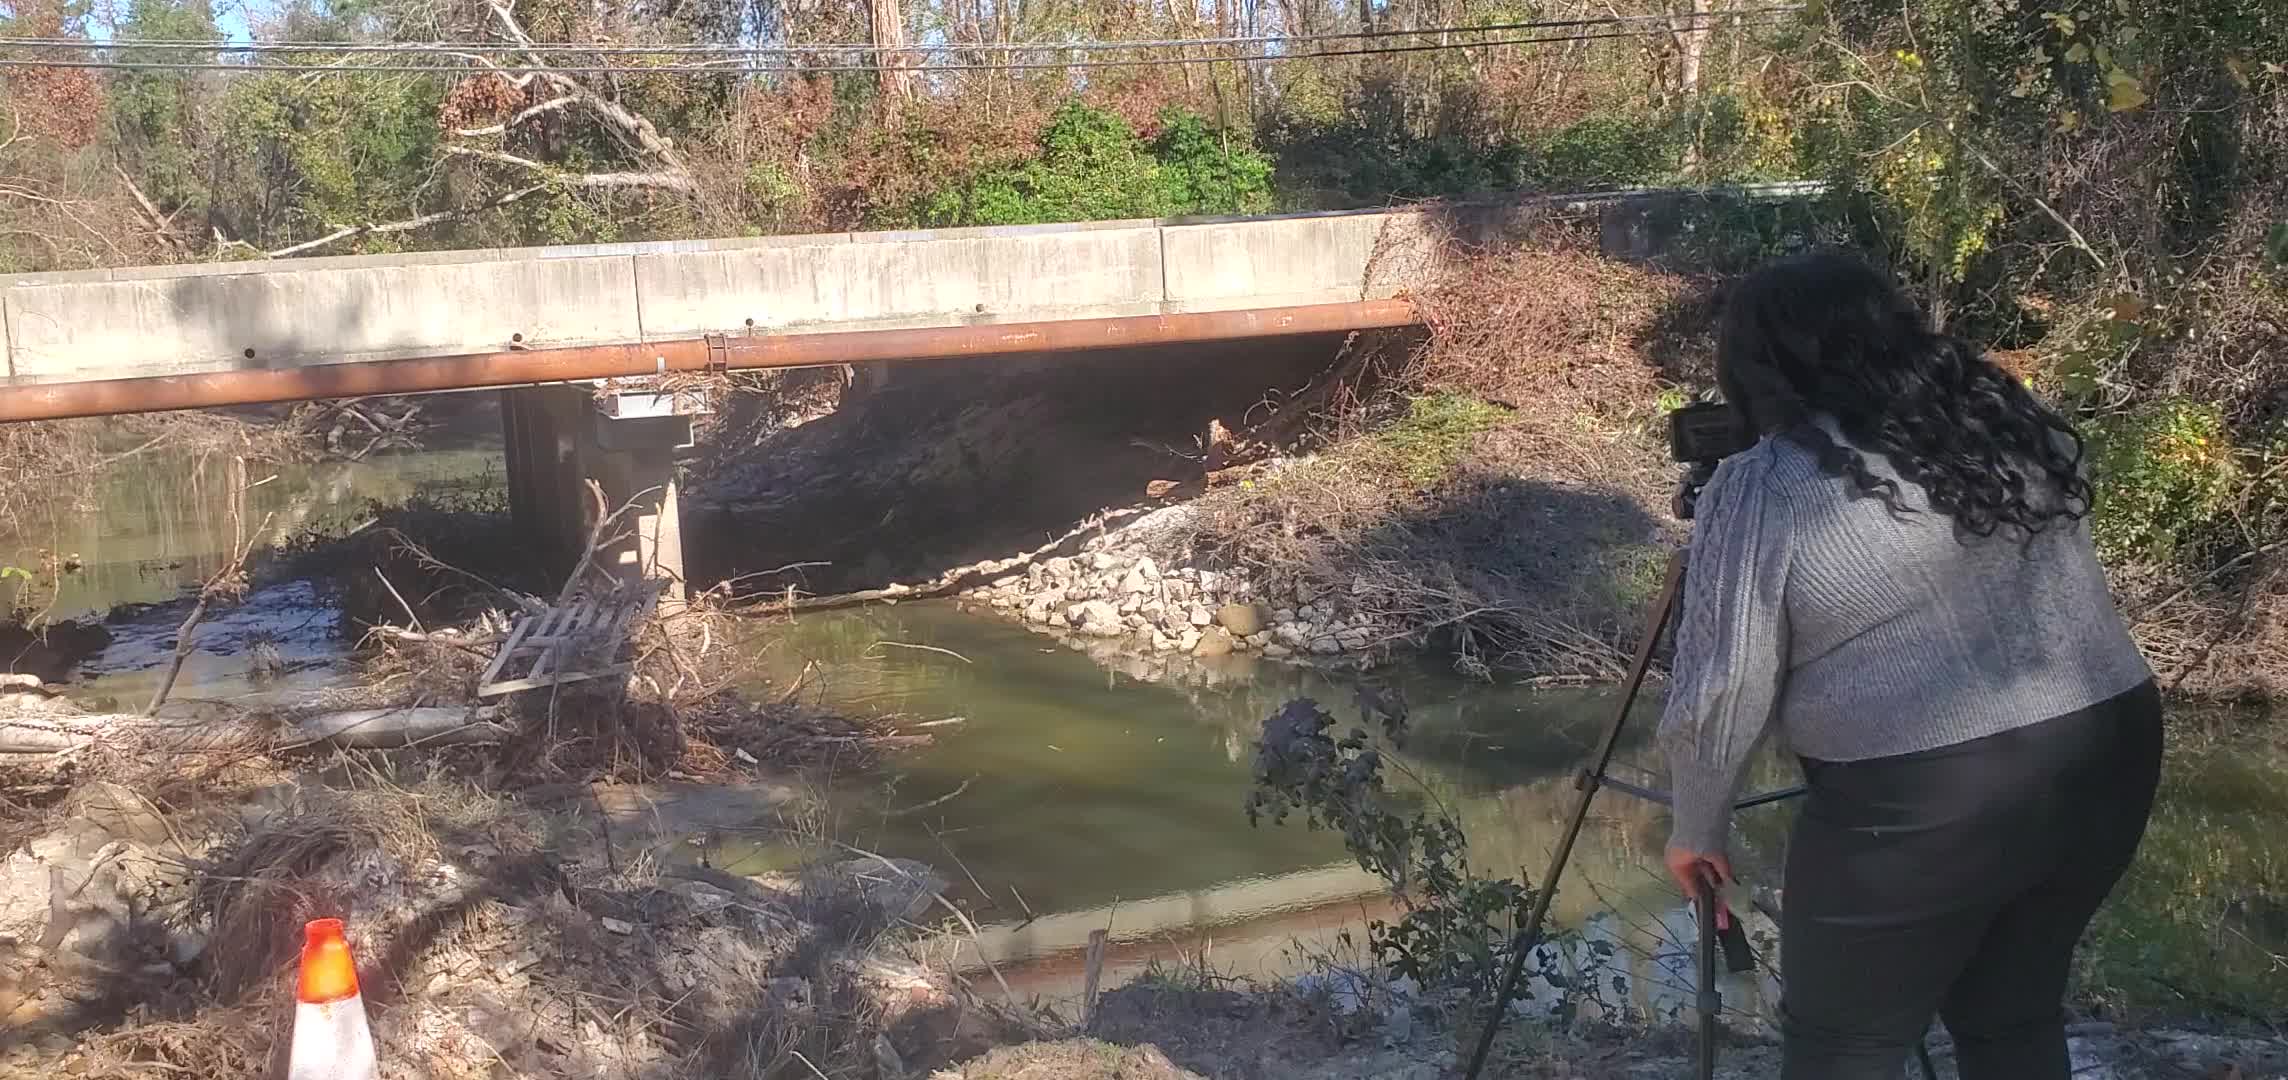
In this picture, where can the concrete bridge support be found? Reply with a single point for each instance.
(560, 436)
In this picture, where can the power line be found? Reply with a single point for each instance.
(727, 68)
(733, 49)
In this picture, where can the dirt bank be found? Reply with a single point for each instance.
(1161, 1031)
(50, 652)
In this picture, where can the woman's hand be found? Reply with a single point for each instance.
(1702, 871)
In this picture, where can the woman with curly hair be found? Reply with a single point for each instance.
(1898, 581)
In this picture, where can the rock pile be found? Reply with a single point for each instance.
(1115, 589)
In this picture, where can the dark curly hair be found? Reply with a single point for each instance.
(1825, 334)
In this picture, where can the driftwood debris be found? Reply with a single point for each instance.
(952, 581)
(51, 732)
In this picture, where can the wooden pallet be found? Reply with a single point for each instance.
(534, 654)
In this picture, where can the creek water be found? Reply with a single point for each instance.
(127, 544)
(1061, 794)
(1072, 797)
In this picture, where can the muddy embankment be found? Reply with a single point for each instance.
(1106, 498)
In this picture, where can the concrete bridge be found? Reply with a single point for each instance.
(92, 342)
(551, 321)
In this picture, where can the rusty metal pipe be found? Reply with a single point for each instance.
(162, 393)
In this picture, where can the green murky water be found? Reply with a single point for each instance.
(1076, 797)
(1073, 797)
(156, 524)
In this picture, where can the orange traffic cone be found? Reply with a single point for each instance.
(331, 1040)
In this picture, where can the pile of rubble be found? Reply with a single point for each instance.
(1114, 589)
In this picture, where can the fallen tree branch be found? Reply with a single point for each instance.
(422, 221)
(670, 181)
(422, 555)
(952, 581)
(551, 105)
(476, 643)
(632, 127)
(162, 225)
(2228, 566)
(228, 583)
(590, 181)
(360, 729)
(364, 729)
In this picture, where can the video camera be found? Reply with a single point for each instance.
(1700, 436)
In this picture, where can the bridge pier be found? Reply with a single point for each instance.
(559, 436)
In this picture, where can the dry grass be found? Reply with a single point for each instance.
(493, 933)
(33, 457)
(1072, 1059)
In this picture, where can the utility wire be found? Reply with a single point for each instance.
(1663, 22)
(736, 66)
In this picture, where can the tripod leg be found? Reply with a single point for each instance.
(1656, 620)
(1711, 1004)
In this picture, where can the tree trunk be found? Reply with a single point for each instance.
(889, 30)
(1692, 45)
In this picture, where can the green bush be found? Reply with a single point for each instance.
(1369, 144)
(1606, 152)
(1091, 166)
(1205, 171)
(2166, 474)
(1451, 932)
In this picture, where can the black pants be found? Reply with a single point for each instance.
(1956, 882)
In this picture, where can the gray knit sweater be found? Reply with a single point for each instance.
(1863, 633)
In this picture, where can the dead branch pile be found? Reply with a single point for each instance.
(353, 429)
(690, 705)
(495, 934)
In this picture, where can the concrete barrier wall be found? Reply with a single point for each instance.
(106, 324)
(1273, 262)
(164, 324)
(178, 320)
(889, 280)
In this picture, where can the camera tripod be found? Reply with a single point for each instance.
(1706, 903)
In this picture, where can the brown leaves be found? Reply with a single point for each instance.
(64, 106)
(488, 98)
